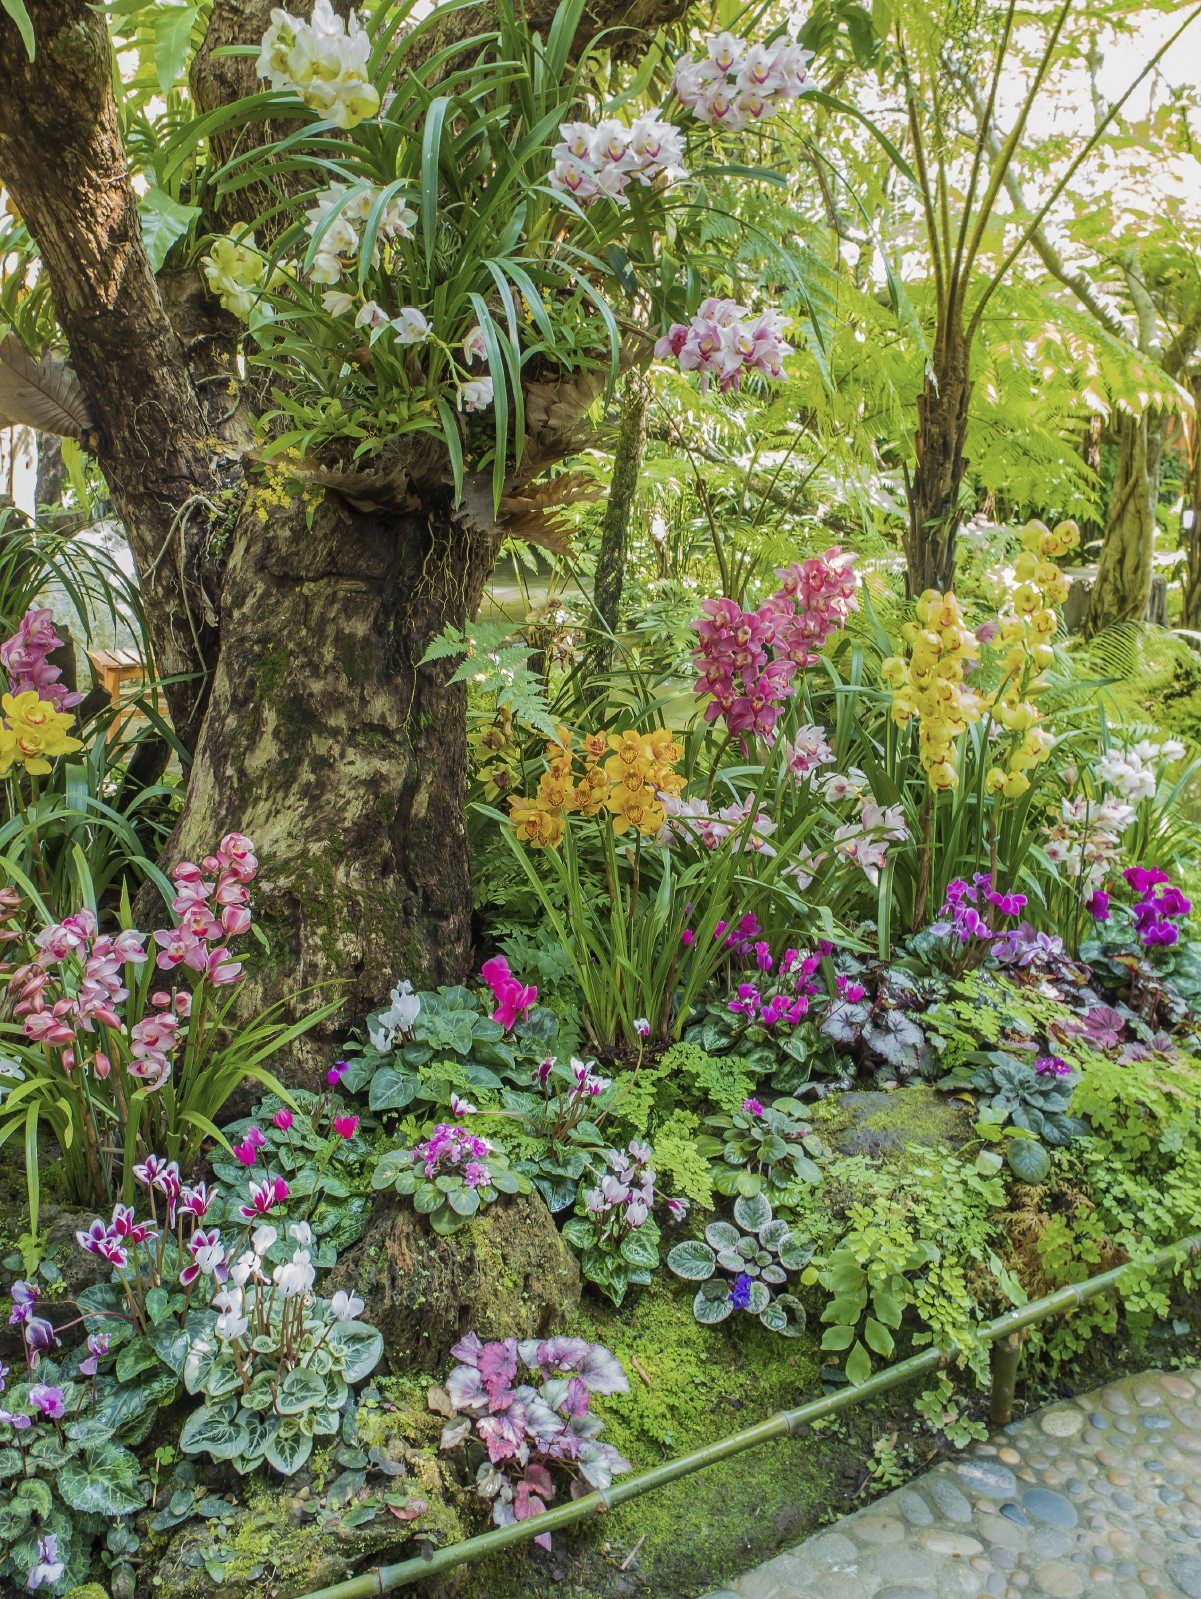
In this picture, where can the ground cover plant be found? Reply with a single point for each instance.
(649, 866)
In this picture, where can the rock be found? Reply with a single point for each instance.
(505, 1274)
(879, 1122)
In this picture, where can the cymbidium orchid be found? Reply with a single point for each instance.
(725, 342)
(324, 61)
(736, 84)
(598, 160)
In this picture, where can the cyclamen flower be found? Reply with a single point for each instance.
(344, 1306)
(513, 999)
(97, 1348)
(48, 1401)
(208, 1258)
(47, 1567)
(753, 1107)
(345, 1126)
(282, 1119)
(264, 1197)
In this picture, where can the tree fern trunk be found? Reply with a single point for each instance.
(1123, 586)
(933, 493)
(609, 581)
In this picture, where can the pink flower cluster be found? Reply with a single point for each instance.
(75, 980)
(626, 1193)
(603, 158)
(114, 1241)
(25, 657)
(513, 999)
(792, 983)
(212, 902)
(747, 659)
(1159, 907)
(734, 84)
(724, 341)
(453, 1149)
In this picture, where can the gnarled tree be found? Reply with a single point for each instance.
(291, 623)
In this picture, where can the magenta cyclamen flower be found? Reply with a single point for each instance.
(264, 1197)
(282, 1119)
(1160, 905)
(513, 999)
(336, 1073)
(48, 1401)
(345, 1126)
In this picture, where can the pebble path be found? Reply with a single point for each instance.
(1098, 1496)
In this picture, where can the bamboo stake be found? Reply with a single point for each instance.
(386, 1579)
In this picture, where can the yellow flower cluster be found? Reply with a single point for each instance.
(495, 752)
(931, 683)
(31, 731)
(1023, 642)
(619, 776)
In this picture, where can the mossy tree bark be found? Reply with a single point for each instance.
(933, 492)
(292, 627)
(1123, 584)
(1191, 610)
(608, 583)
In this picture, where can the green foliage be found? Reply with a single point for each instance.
(769, 1152)
(448, 1199)
(760, 1252)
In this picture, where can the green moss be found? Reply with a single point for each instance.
(690, 1386)
(89, 1590)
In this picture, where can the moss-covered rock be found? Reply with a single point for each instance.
(886, 1123)
(505, 1274)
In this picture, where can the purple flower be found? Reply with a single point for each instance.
(24, 1296)
(753, 1107)
(1097, 905)
(47, 1567)
(97, 1349)
(48, 1400)
(15, 1419)
(740, 1292)
(1052, 1065)
(39, 1337)
(336, 1073)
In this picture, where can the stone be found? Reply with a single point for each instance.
(987, 1477)
(1058, 1580)
(1185, 1572)
(914, 1508)
(506, 1274)
(886, 1123)
(1062, 1422)
(951, 1543)
(947, 1500)
(1042, 1504)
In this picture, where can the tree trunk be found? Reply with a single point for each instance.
(608, 583)
(341, 757)
(933, 492)
(1191, 537)
(1123, 585)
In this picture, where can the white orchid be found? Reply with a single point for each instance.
(411, 326)
(475, 395)
(324, 61)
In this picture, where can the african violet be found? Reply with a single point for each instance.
(519, 1437)
(450, 1176)
(760, 1150)
(758, 1252)
(1035, 1100)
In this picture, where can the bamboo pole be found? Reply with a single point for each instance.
(386, 1579)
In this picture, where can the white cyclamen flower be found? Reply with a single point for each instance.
(302, 1233)
(344, 1306)
(261, 1239)
(296, 1276)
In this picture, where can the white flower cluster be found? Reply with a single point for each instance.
(397, 1019)
(324, 61)
(339, 244)
(1134, 772)
(864, 840)
(292, 1280)
(806, 754)
(1087, 838)
(733, 84)
(602, 158)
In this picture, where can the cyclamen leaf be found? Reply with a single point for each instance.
(105, 1481)
(212, 1433)
(287, 1453)
(299, 1391)
(357, 1346)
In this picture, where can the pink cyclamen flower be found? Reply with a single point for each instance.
(336, 1073)
(245, 1152)
(282, 1119)
(753, 1107)
(264, 1197)
(346, 1126)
